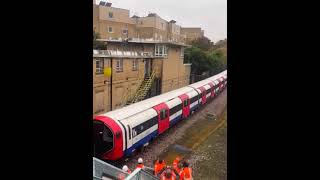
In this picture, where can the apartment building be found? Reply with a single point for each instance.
(192, 33)
(141, 52)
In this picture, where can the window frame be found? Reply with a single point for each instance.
(120, 68)
(184, 103)
(182, 52)
(161, 114)
(161, 50)
(109, 29)
(111, 14)
(125, 29)
(135, 63)
(99, 70)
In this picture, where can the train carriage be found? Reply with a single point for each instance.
(120, 132)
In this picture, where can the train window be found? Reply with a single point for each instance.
(185, 102)
(134, 133)
(129, 132)
(175, 109)
(163, 114)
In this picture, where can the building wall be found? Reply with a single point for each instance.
(101, 89)
(124, 84)
(172, 69)
(119, 15)
(117, 29)
(192, 33)
(96, 17)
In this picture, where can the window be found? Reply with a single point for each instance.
(135, 65)
(144, 126)
(161, 50)
(162, 25)
(182, 52)
(99, 66)
(124, 31)
(185, 103)
(110, 14)
(129, 131)
(163, 114)
(175, 109)
(110, 30)
(119, 65)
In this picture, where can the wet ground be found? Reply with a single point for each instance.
(209, 160)
(201, 135)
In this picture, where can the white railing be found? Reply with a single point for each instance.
(122, 53)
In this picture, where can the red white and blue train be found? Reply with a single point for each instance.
(120, 132)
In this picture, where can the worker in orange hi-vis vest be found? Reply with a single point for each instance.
(122, 176)
(176, 162)
(168, 174)
(158, 166)
(140, 164)
(187, 172)
(126, 169)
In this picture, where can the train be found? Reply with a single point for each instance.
(118, 133)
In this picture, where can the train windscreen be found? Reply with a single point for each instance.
(102, 138)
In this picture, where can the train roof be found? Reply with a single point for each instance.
(130, 110)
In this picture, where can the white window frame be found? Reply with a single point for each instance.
(182, 52)
(109, 29)
(160, 50)
(99, 62)
(135, 63)
(119, 65)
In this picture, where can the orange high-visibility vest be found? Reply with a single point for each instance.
(187, 173)
(121, 176)
(158, 167)
(181, 174)
(140, 166)
(175, 163)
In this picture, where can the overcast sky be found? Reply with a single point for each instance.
(210, 15)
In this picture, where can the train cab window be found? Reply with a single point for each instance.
(102, 138)
(185, 102)
(163, 114)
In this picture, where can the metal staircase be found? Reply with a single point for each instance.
(143, 89)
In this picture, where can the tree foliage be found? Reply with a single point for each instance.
(97, 44)
(206, 59)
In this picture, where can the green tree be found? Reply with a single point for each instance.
(199, 60)
(97, 44)
(203, 43)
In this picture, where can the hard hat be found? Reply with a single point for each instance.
(125, 168)
(140, 160)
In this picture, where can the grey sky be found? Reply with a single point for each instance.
(210, 15)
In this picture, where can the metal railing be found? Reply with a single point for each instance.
(101, 168)
(140, 174)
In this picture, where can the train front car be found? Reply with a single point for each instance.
(107, 138)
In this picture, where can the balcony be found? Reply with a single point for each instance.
(122, 54)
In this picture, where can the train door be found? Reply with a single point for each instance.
(212, 89)
(185, 105)
(163, 117)
(203, 95)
